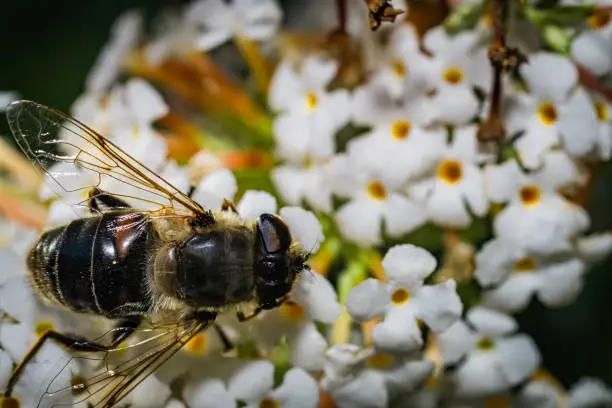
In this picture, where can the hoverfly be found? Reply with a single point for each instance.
(145, 252)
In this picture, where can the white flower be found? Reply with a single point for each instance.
(553, 112)
(253, 385)
(375, 197)
(217, 186)
(150, 393)
(537, 394)
(537, 216)
(404, 299)
(304, 132)
(457, 68)
(556, 279)
(346, 362)
(125, 34)
(208, 394)
(593, 46)
(220, 21)
(6, 97)
(405, 72)
(133, 108)
(490, 358)
(590, 393)
(457, 183)
(604, 121)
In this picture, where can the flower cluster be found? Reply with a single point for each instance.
(436, 179)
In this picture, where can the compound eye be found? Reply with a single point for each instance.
(274, 233)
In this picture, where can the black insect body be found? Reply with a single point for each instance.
(145, 253)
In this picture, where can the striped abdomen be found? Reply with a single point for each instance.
(97, 264)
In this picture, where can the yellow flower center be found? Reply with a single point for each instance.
(599, 19)
(450, 171)
(399, 68)
(453, 76)
(485, 344)
(401, 129)
(379, 360)
(311, 101)
(292, 312)
(498, 402)
(530, 195)
(547, 113)
(78, 384)
(377, 190)
(42, 327)
(9, 402)
(400, 296)
(197, 344)
(602, 112)
(525, 264)
(268, 403)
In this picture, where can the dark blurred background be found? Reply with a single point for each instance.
(47, 48)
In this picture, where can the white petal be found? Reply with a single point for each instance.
(359, 221)
(252, 381)
(285, 87)
(399, 332)
(446, 206)
(578, 124)
(589, 392)
(307, 347)
(174, 403)
(214, 188)
(403, 215)
(558, 171)
(319, 71)
(456, 105)
(6, 368)
(495, 261)
(149, 393)
(17, 299)
(208, 394)
(518, 357)
(146, 103)
(515, 293)
(408, 264)
(438, 305)
(535, 142)
(290, 183)
(503, 180)
(490, 322)
(367, 300)
(592, 50)
(254, 203)
(408, 376)
(595, 248)
(317, 296)
(365, 391)
(479, 375)
(212, 39)
(473, 190)
(455, 342)
(538, 394)
(561, 283)
(549, 76)
(298, 390)
(6, 97)
(13, 266)
(304, 226)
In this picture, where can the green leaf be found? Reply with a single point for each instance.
(557, 38)
(559, 16)
(464, 17)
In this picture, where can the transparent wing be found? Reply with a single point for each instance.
(118, 370)
(77, 159)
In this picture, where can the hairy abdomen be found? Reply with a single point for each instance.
(97, 264)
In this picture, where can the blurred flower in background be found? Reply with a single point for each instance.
(434, 162)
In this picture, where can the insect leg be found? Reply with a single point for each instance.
(229, 206)
(99, 201)
(243, 318)
(123, 330)
(227, 344)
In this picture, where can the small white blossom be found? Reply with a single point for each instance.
(491, 359)
(404, 299)
(457, 183)
(458, 67)
(208, 394)
(253, 384)
(220, 20)
(554, 112)
(590, 393)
